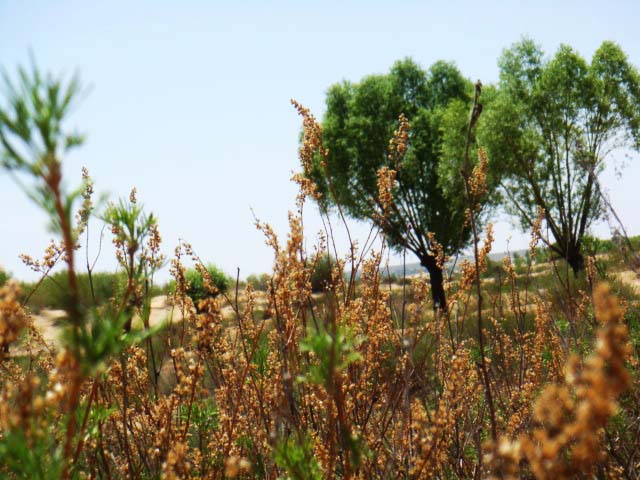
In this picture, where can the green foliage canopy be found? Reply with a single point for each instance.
(358, 124)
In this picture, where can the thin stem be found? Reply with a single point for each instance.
(475, 113)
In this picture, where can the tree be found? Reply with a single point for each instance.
(551, 127)
(357, 126)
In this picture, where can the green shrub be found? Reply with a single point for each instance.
(520, 263)
(53, 292)
(390, 278)
(197, 290)
(494, 268)
(321, 276)
(543, 254)
(4, 276)
(593, 246)
(295, 455)
(259, 282)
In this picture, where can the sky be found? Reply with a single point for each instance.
(189, 101)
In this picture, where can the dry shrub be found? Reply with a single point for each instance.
(358, 382)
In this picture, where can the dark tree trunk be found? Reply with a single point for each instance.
(576, 261)
(436, 279)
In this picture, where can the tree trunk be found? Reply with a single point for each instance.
(436, 279)
(576, 261)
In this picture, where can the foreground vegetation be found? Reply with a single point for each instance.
(526, 371)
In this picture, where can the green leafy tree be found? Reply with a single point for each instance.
(551, 127)
(358, 124)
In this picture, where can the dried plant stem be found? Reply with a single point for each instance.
(53, 183)
(475, 113)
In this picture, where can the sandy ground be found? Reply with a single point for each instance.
(162, 312)
(47, 321)
(630, 278)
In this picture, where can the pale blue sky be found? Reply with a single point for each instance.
(189, 101)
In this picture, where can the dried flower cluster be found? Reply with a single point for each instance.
(478, 180)
(567, 441)
(13, 318)
(386, 184)
(399, 141)
(311, 146)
